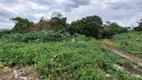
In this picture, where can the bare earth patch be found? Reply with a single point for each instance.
(8, 74)
(112, 47)
(135, 69)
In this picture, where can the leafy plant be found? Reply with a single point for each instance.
(130, 42)
(3, 32)
(56, 61)
(37, 36)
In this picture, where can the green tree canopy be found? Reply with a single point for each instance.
(58, 21)
(90, 26)
(112, 28)
(21, 24)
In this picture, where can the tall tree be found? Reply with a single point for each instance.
(90, 26)
(21, 24)
(58, 21)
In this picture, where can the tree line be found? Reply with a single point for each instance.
(90, 26)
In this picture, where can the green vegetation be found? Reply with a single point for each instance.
(4, 32)
(47, 46)
(90, 26)
(139, 27)
(130, 42)
(110, 29)
(37, 36)
(58, 61)
(21, 24)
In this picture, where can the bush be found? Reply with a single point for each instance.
(37, 36)
(3, 32)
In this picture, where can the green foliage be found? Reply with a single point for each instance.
(21, 24)
(89, 26)
(130, 42)
(37, 36)
(110, 29)
(3, 32)
(56, 61)
(58, 21)
(139, 27)
(60, 59)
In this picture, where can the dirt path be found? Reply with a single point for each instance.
(129, 57)
(125, 55)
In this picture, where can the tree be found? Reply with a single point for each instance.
(21, 24)
(139, 27)
(89, 26)
(112, 28)
(58, 21)
(57, 15)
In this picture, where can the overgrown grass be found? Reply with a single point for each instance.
(65, 60)
(130, 42)
(37, 36)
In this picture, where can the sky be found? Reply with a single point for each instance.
(124, 12)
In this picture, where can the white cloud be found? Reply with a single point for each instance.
(125, 12)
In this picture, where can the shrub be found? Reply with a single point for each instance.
(3, 32)
(37, 36)
(55, 61)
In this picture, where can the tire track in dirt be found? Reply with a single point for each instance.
(125, 55)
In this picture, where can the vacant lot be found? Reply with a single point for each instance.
(66, 60)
